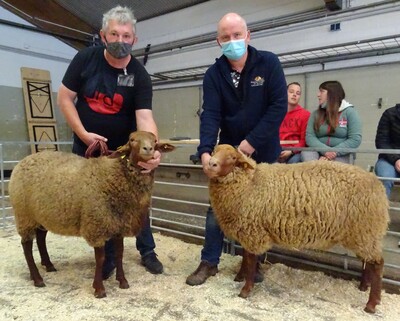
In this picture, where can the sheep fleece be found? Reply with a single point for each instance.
(95, 198)
(312, 205)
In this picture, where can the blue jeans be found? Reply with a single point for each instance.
(144, 240)
(384, 169)
(214, 240)
(295, 158)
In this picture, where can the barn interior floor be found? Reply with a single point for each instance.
(286, 293)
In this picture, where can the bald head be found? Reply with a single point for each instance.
(231, 21)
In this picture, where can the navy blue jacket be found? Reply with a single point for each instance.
(388, 133)
(255, 115)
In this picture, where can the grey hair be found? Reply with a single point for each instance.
(122, 15)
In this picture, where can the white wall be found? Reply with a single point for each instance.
(203, 18)
(363, 24)
(24, 48)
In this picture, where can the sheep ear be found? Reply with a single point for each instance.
(121, 151)
(164, 147)
(243, 161)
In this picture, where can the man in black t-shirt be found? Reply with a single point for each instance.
(105, 95)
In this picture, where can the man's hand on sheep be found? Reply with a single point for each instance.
(151, 164)
(246, 148)
(90, 138)
(205, 161)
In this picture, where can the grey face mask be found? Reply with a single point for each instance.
(119, 49)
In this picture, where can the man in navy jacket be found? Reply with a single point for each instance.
(244, 103)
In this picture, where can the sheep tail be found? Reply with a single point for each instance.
(97, 145)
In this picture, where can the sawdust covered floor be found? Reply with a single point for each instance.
(286, 294)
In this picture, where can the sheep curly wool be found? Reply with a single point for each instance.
(97, 198)
(311, 205)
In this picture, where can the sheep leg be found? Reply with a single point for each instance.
(99, 290)
(250, 265)
(366, 278)
(240, 276)
(44, 255)
(376, 269)
(119, 251)
(33, 270)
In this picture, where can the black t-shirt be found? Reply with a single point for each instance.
(106, 97)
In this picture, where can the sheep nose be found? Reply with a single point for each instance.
(148, 149)
(212, 163)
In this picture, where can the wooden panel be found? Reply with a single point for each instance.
(63, 23)
(44, 133)
(41, 122)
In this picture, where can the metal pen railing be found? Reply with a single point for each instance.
(175, 222)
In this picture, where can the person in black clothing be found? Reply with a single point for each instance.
(105, 95)
(388, 137)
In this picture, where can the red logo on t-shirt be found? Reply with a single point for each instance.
(102, 104)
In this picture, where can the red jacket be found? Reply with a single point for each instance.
(294, 126)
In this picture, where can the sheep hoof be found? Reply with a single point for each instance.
(369, 309)
(51, 269)
(244, 294)
(100, 294)
(123, 284)
(39, 284)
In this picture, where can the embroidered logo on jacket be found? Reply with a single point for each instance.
(258, 81)
(343, 122)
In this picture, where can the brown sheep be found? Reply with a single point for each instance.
(312, 205)
(97, 198)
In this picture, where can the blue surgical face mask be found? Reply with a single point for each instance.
(234, 49)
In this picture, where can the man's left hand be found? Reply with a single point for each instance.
(246, 148)
(151, 164)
